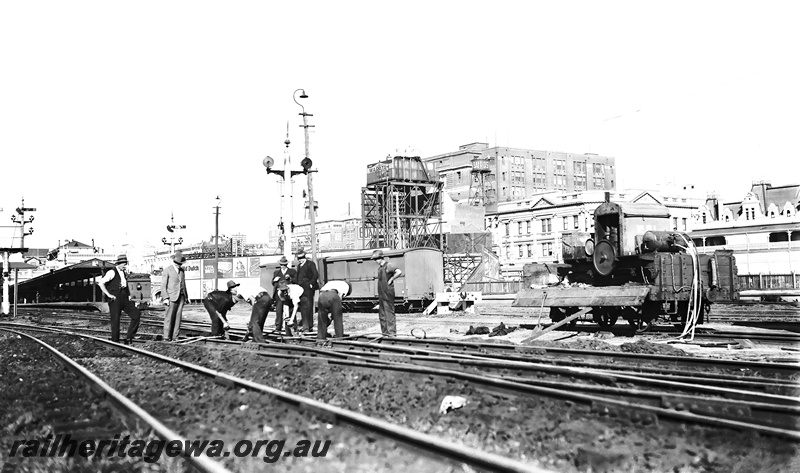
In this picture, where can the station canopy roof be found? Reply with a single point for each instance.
(76, 272)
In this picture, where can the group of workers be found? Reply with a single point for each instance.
(293, 290)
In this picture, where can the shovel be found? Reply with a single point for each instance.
(538, 327)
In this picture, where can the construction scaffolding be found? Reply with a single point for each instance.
(401, 205)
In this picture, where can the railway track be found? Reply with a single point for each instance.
(606, 395)
(732, 395)
(440, 455)
(78, 406)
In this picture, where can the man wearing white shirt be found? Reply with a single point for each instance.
(330, 302)
(114, 285)
(289, 295)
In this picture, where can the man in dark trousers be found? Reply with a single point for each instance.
(218, 303)
(290, 294)
(174, 293)
(284, 273)
(387, 273)
(114, 285)
(308, 279)
(329, 308)
(260, 299)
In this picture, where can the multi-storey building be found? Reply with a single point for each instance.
(763, 230)
(335, 234)
(530, 230)
(516, 174)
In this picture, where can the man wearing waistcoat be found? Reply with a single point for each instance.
(284, 273)
(114, 285)
(174, 293)
(308, 279)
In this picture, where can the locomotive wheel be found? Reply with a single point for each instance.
(605, 317)
(641, 325)
(557, 314)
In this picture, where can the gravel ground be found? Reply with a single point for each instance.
(549, 433)
(541, 431)
(34, 390)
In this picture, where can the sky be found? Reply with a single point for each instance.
(116, 115)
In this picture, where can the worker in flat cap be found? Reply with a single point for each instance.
(218, 303)
(387, 273)
(329, 308)
(283, 273)
(114, 285)
(308, 279)
(260, 300)
(175, 295)
(290, 295)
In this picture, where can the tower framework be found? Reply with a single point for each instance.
(480, 192)
(401, 205)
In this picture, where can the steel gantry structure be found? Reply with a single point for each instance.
(401, 205)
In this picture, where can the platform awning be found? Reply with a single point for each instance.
(76, 272)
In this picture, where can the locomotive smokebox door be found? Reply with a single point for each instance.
(604, 258)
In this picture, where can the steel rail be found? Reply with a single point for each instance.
(680, 407)
(697, 404)
(462, 361)
(663, 373)
(781, 416)
(782, 368)
(202, 463)
(427, 442)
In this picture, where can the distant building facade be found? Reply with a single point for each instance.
(763, 229)
(530, 230)
(332, 235)
(516, 173)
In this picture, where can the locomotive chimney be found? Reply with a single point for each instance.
(608, 196)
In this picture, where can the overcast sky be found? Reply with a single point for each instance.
(115, 114)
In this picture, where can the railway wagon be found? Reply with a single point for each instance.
(423, 277)
(633, 266)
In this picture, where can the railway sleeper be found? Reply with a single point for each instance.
(636, 416)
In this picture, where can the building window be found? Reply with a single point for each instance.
(547, 249)
(675, 223)
(530, 250)
(458, 176)
(520, 251)
(508, 251)
(519, 228)
(566, 223)
(508, 231)
(683, 221)
(528, 225)
(575, 221)
(546, 225)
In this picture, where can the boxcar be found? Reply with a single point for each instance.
(423, 277)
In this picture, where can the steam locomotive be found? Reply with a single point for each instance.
(633, 266)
